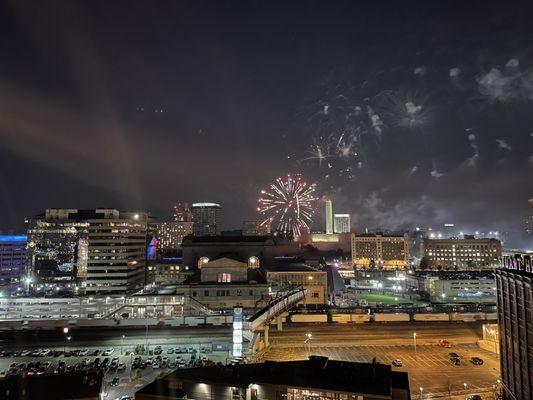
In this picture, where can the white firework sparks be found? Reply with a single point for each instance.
(287, 206)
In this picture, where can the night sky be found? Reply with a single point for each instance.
(404, 113)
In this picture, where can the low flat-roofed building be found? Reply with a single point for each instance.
(167, 271)
(461, 287)
(226, 283)
(316, 378)
(285, 276)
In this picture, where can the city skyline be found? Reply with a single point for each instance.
(428, 134)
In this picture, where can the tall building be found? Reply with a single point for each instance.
(254, 228)
(117, 252)
(206, 218)
(514, 285)
(102, 250)
(461, 253)
(57, 247)
(182, 212)
(377, 250)
(169, 235)
(329, 217)
(341, 223)
(529, 218)
(12, 257)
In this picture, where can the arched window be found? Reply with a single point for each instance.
(202, 261)
(253, 262)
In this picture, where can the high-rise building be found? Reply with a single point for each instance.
(529, 219)
(57, 247)
(329, 217)
(182, 212)
(206, 219)
(169, 235)
(468, 252)
(341, 223)
(117, 252)
(103, 250)
(254, 228)
(377, 250)
(514, 285)
(12, 257)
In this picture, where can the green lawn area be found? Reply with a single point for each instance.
(385, 299)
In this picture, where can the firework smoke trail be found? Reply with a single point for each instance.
(288, 205)
(403, 109)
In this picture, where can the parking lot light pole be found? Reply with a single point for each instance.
(308, 336)
(421, 392)
(122, 345)
(465, 385)
(414, 342)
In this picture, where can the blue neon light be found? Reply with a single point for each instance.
(13, 238)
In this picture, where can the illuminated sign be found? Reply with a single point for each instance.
(237, 331)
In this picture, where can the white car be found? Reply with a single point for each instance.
(121, 366)
(83, 352)
(155, 365)
(25, 353)
(108, 352)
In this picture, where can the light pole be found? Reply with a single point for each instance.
(414, 342)
(465, 385)
(308, 336)
(421, 392)
(122, 345)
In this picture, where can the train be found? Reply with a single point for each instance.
(390, 317)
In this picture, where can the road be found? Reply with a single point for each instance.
(429, 366)
(386, 334)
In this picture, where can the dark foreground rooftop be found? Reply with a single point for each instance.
(317, 373)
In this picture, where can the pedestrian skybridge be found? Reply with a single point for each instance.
(275, 307)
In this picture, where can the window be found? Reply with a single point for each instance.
(194, 294)
(206, 293)
(224, 278)
(239, 292)
(315, 295)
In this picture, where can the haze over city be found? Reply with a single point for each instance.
(405, 114)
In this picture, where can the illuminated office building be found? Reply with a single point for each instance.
(12, 257)
(206, 218)
(341, 223)
(377, 250)
(329, 217)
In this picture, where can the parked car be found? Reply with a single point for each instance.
(121, 366)
(476, 361)
(397, 363)
(454, 355)
(108, 352)
(445, 343)
(456, 361)
(474, 397)
(115, 381)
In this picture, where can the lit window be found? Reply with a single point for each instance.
(224, 278)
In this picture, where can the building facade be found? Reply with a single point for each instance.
(225, 283)
(254, 228)
(282, 278)
(380, 251)
(461, 253)
(341, 223)
(116, 252)
(329, 217)
(169, 235)
(450, 287)
(206, 218)
(57, 247)
(182, 212)
(515, 320)
(12, 258)
(102, 250)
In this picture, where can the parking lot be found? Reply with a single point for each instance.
(129, 380)
(429, 367)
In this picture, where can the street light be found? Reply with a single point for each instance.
(421, 392)
(122, 345)
(414, 341)
(308, 336)
(465, 385)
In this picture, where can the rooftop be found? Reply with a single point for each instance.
(191, 239)
(317, 373)
(291, 267)
(254, 276)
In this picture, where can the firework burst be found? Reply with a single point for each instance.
(287, 205)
